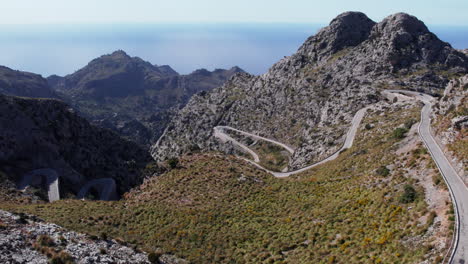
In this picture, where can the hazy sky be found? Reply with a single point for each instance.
(446, 12)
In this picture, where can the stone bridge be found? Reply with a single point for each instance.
(106, 188)
(42, 177)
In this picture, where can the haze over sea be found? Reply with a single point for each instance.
(63, 49)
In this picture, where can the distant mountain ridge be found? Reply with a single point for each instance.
(25, 84)
(308, 99)
(132, 96)
(112, 75)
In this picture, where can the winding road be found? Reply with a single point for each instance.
(289, 149)
(458, 190)
(106, 188)
(218, 133)
(39, 176)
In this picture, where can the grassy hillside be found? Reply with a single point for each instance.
(359, 208)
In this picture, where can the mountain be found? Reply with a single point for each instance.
(380, 200)
(307, 100)
(48, 134)
(111, 75)
(215, 208)
(131, 96)
(25, 84)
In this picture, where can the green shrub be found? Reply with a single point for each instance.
(436, 179)
(63, 240)
(194, 148)
(430, 218)
(399, 132)
(153, 257)
(173, 162)
(408, 124)
(409, 194)
(103, 235)
(151, 168)
(383, 171)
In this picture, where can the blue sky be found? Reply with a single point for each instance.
(436, 12)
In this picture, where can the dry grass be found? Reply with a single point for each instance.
(218, 209)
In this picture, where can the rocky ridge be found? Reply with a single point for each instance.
(25, 84)
(132, 96)
(27, 239)
(46, 133)
(308, 99)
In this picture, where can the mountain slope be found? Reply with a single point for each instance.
(24, 84)
(131, 96)
(111, 75)
(46, 133)
(220, 209)
(451, 124)
(307, 100)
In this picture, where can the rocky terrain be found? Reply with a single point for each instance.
(451, 123)
(308, 99)
(132, 96)
(47, 133)
(380, 201)
(27, 239)
(25, 84)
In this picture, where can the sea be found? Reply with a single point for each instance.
(63, 49)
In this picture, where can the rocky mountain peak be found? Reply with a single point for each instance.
(202, 71)
(315, 92)
(236, 69)
(167, 70)
(403, 41)
(349, 19)
(402, 22)
(120, 54)
(349, 29)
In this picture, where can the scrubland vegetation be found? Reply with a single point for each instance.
(219, 209)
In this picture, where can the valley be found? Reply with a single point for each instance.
(247, 207)
(351, 150)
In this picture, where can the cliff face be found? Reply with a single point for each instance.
(450, 117)
(46, 133)
(308, 99)
(132, 96)
(25, 84)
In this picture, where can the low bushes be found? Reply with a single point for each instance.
(383, 171)
(399, 132)
(218, 209)
(408, 195)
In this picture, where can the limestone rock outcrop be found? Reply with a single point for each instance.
(307, 100)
